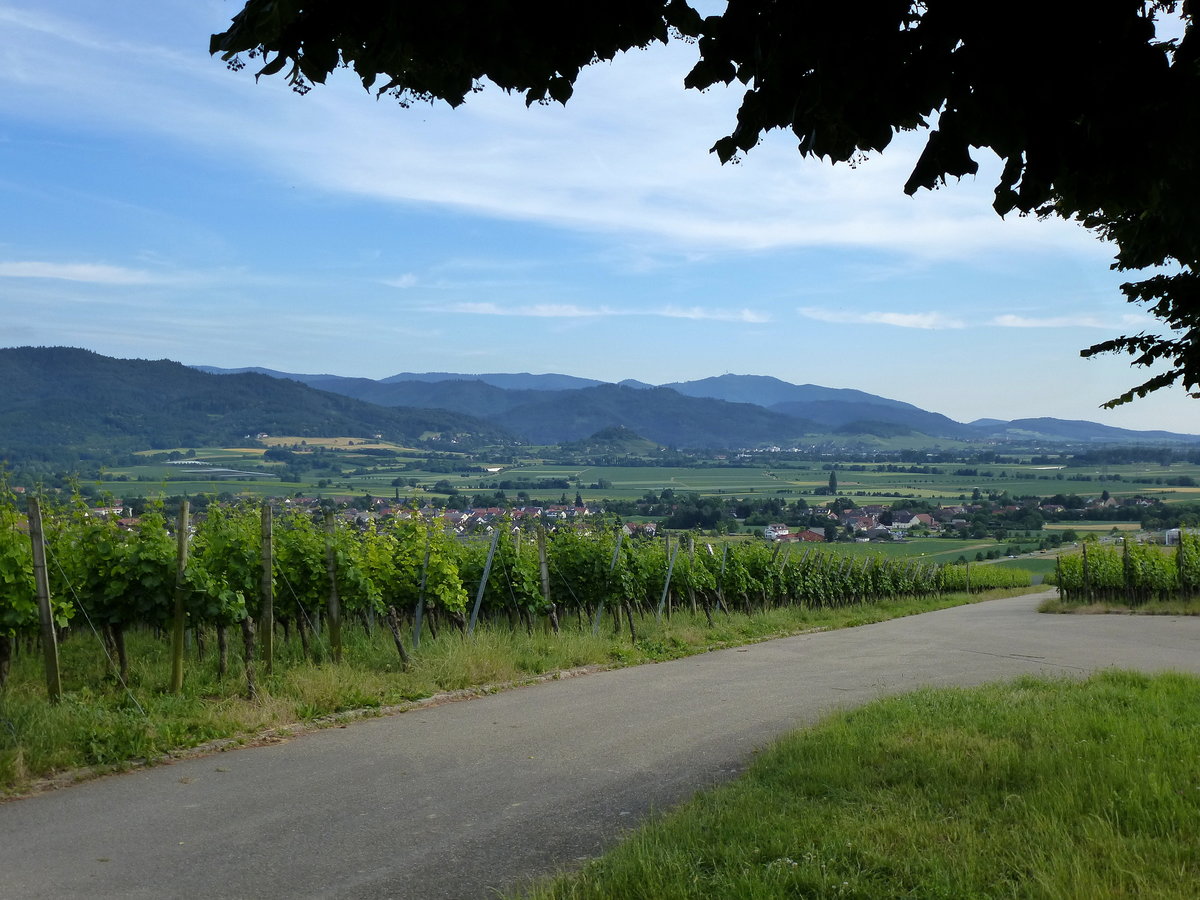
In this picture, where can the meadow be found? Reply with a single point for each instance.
(356, 472)
(1037, 788)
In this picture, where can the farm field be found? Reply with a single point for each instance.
(1038, 565)
(938, 550)
(1094, 527)
(359, 467)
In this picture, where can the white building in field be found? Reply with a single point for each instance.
(1171, 537)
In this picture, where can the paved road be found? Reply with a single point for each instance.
(457, 800)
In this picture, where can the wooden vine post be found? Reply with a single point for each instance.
(1087, 581)
(45, 613)
(667, 583)
(335, 605)
(393, 620)
(1127, 572)
(1181, 569)
(179, 615)
(721, 580)
(544, 565)
(266, 609)
(487, 570)
(248, 643)
(419, 612)
(692, 572)
(612, 567)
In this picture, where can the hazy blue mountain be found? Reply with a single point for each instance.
(521, 381)
(495, 395)
(274, 373)
(658, 414)
(473, 398)
(837, 414)
(1075, 430)
(765, 390)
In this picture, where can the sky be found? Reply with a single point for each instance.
(157, 205)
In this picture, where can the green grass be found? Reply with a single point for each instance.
(99, 724)
(1086, 525)
(1039, 565)
(1150, 608)
(1036, 788)
(787, 479)
(938, 550)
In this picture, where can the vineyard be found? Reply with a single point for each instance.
(1133, 573)
(303, 576)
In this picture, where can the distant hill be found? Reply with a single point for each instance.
(472, 398)
(521, 381)
(564, 415)
(660, 414)
(1051, 429)
(614, 441)
(878, 429)
(540, 408)
(63, 397)
(833, 408)
(274, 373)
(763, 390)
(837, 415)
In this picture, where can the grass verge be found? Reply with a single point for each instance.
(1151, 608)
(101, 726)
(1035, 788)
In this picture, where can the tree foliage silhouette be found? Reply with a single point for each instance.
(1095, 117)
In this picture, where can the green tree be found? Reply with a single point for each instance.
(1098, 123)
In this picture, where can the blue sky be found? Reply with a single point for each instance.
(158, 205)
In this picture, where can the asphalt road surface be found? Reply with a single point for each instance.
(465, 799)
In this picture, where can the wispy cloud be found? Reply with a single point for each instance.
(1015, 321)
(573, 311)
(534, 310)
(406, 280)
(90, 273)
(747, 316)
(604, 163)
(931, 321)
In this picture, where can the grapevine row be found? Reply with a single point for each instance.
(115, 579)
(1132, 573)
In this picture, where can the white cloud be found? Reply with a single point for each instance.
(536, 310)
(607, 162)
(91, 273)
(404, 281)
(719, 315)
(573, 311)
(1015, 321)
(933, 321)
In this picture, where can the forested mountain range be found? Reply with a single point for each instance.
(55, 398)
(555, 408)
